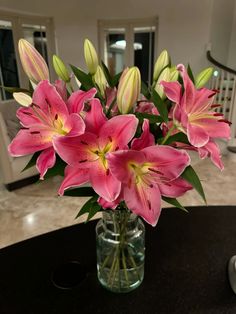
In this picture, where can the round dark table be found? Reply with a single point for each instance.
(185, 269)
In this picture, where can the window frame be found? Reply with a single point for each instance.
(17, 20)
(128, 25)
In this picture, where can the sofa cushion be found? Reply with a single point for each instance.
(13, 127)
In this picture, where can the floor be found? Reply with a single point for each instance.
(37, 209)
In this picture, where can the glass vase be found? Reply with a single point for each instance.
(120, 250)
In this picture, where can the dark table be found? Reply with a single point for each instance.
(185, 271)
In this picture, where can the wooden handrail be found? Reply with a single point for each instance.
(218, 64)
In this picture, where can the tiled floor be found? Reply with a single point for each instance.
(37, 209)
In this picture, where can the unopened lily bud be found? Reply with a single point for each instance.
(100, 80)
(165, 76)
(60, 69)
(162, 61)
(23, 99)
(33, 63)
(128, 90)
(203, 77)
(90, 56)
(174, 74)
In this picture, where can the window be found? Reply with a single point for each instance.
(38, 31)
(127, 43)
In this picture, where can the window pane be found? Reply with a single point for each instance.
(8, 67)
(36, 35)
(144, 51)
(115, 50)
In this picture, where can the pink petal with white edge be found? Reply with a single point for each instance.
(103, 182)
(172, 90)
(61, 89)
(169, 161)
(202, 100)
(146, 139)
(27, 117)
(144, 201)
(189, 89)
(45, 161)
(95, 117)
(75, 124)
(119, 131)
(214, 128)
(175, 188)
(48, 99)
(26, 143)
(212, 150)
(77, 100)
(197, 136)
(76, 149)
(74, 177)
(111, 205)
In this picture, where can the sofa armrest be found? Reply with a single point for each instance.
(5, 159)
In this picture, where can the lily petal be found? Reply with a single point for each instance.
(197, 136)
(77, 149)
(76, 125)
(95, 118)
(212, 150)
(104, 183)
(77, 100)
(26, 143)
(175, 188)
(74, 177)
(172, 90)
(145, 140)
(144, 201)
(45, 161)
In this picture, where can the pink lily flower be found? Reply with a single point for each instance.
(86, 154)
(193, 114)
(45, 120)
(146, 175)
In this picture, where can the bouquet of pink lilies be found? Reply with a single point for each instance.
(129, 141)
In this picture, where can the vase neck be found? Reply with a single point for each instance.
(116, 220)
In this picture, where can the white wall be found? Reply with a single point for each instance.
(232, 45)
(184, 25)
(221, 26)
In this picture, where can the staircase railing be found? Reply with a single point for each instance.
(224, 80)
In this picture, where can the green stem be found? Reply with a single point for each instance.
(168, 135)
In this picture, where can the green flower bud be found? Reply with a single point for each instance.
(162, 61)
(164, 76)
(100, 80)
(60, 69)
(203, 77)
(90, 56)
(128, 89)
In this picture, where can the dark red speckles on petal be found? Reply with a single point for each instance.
(56, 116)
(107, 172)
(83, 142)
(83, 160)
(35, 132)
(149, 205)
(225, 121)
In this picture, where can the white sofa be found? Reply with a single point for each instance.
(11, 167)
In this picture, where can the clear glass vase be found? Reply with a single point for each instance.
(120, 250)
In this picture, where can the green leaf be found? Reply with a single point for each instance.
(12, 90)
(32, 161)
(190, 73)
(116, 79)
(85, 79)
(107, 74)
(86, 207)
(190, 176)
(160, 105)
(82, 191)
(57, 170)
(174, 202)
(151, 117)
(178, 137)
(145, 90)
(93, 210)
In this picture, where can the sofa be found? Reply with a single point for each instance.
(11, 167)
